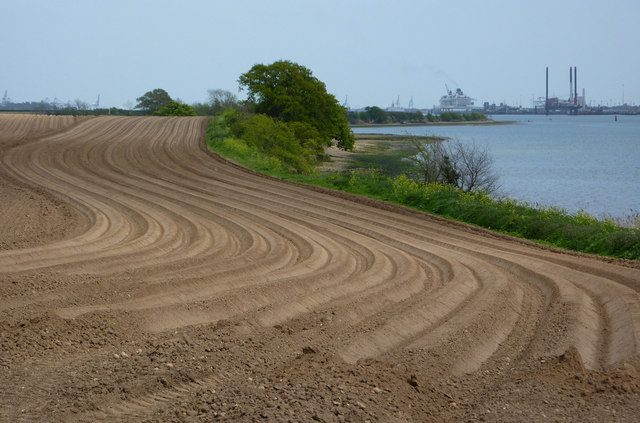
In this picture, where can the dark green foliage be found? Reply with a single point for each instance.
(290, 93)
(202, 109)
(152, 101)
(370, 115)
(451, 117)
(376, 115)
(295, 143)
(461, 117)
(474, 116)
(449, 174)
(173, 108)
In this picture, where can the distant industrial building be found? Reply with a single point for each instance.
(458, 101)
(573, 105)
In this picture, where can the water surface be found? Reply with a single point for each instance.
(589, 163)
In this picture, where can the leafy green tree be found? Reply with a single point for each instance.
(289, 92)
(432, 118)
(449, 173)
(176, 109)
(152, 101)
(377, 115)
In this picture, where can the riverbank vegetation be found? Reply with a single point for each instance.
(288, 118)
(290, 94)
(289, 121)
(550, 226)
(376, 115)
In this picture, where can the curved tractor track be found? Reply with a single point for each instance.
(181, 287)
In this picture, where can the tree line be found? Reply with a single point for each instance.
(376, 115)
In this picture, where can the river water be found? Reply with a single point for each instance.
(588, 163)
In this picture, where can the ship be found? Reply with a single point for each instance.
(455, 102)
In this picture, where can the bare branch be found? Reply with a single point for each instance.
(463, 165)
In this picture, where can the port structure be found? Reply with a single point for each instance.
(573, 104)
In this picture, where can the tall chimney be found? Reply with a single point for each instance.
(575, 81)
(570, 83)
(546, 101)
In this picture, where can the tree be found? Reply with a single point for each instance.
(377, 115)
(289, 92)
(152, 101)
(175, 108)
(449, 173)
(81, 105)
(475, 167)
(221, 100)
(428, 160)
(463, 165)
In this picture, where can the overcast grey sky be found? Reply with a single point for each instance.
(371, 51)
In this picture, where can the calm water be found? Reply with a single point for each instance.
(589, 163)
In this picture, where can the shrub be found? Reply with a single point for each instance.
(176, 109)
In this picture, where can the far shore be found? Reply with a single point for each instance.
(460, 123)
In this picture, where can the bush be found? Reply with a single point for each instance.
(176, 109)
(296, 144)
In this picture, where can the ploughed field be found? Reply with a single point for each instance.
(145, 279)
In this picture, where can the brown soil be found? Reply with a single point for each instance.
(144, 279)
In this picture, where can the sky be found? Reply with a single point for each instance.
(369, 52)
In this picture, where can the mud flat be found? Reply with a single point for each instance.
(169, 285)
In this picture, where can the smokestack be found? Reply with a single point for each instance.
(546, 102)
(570, 83)
(575, 81)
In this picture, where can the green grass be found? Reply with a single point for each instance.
(387, 153)
(550, 226)
(392, 163)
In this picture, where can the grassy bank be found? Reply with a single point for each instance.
(551, 226)
(387, 153)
